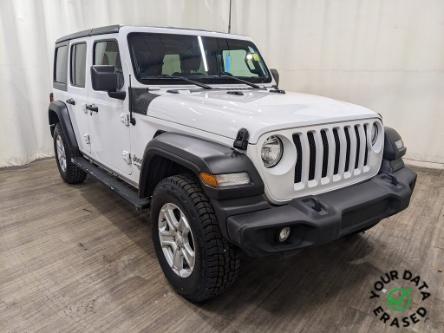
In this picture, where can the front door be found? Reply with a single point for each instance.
(110, 136)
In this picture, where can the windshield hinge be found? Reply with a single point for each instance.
(125, 119)
(126, 156)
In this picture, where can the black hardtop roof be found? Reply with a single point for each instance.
(109, 29)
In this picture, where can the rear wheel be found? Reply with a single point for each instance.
(70, 173)
(195, 258)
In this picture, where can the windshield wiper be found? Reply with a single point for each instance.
(251, 84)
(177, 77)
(186, 79)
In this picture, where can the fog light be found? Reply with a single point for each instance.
(284, 234)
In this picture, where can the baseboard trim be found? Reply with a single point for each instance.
(424, 164)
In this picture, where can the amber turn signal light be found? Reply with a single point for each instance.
(208, 179)
(225, 180)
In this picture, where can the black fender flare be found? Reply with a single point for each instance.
(199, 155)
(58, 113)
(393, 152)
(393, 145)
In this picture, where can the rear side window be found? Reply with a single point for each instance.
(61, 64)
(78, 64)
(106, 52)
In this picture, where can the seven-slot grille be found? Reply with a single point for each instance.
(331, 153)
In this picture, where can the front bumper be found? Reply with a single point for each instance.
(319, 219)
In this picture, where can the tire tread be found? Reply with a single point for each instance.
(222, 259)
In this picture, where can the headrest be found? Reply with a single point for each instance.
(150, 63)
(190, 64)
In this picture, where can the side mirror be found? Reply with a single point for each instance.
(275, 74)
(104, 78)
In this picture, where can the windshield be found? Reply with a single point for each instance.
(164, 58)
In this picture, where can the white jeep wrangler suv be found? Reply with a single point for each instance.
(192, 125)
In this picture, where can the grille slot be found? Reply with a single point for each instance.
(331, 153)
(347, 152)
(338, 149)
(358, 147)
(298, 167)
(325, 155)
(366, 146)
(312, 146)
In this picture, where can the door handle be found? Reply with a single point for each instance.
(92, 108)
(71, 101)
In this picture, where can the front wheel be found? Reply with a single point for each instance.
(195, 258)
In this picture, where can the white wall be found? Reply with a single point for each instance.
(28, 29)
(385, 54)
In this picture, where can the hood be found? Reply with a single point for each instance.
(259, 111)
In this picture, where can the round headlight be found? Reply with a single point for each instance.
(271, 151)
(375, 132)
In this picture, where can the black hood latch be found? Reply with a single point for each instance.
(241, 141)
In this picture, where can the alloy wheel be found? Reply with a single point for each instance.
(61, 156)
(176, 239)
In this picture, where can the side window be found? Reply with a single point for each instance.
(61, 64)
(78, 64)
(107, 53)
(239, 63)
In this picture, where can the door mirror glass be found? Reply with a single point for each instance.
(104, 78)
(275, 74)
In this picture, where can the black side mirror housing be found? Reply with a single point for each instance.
(104, 78)
(275, 74)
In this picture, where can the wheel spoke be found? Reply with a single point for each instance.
(177, 259)
(171, 218)
(62, 151)
(167, 239)
(183, 224)
(61, 155)
(188, 254)
(176, 239)
(166, 219)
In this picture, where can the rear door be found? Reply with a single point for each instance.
(110, 131)
(77, 94)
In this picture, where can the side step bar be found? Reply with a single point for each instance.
(113, 183)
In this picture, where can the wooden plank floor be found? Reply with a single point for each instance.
(78, 258)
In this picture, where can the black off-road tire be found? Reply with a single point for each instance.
(216, 261)
(71, 174)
